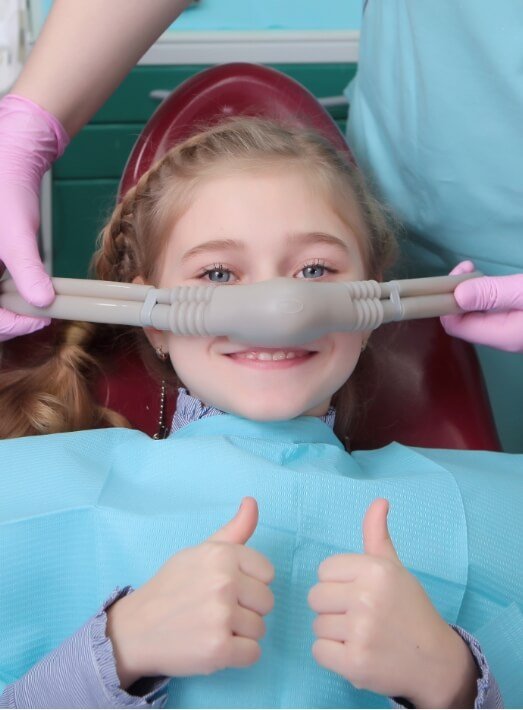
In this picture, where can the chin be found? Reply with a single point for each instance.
(270, 411)
(272, 416)
(266, 406)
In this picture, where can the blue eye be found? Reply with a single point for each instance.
(315, 270)
(217, 270)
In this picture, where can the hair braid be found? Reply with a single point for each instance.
(113, 258)
(56, 395)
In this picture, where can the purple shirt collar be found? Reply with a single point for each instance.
(190, 409)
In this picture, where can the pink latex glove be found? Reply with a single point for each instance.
(30, 140)
(500, 300)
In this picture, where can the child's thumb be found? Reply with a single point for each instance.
(376, 538)
(241, 527)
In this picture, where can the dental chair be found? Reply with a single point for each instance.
(425, 389)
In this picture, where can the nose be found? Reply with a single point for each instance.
(266, 275)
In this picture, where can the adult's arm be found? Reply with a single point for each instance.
(85, 49)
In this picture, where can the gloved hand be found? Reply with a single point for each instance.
(30, 140)
(500, 298)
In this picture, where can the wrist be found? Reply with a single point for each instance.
(22, 105)
(31, 138)
(117, 631)
(453, 680)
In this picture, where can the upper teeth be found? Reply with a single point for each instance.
(279, 355)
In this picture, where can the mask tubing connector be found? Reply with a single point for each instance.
(187, 310)
(146, 313)
(363, 289)
(395, 301)
(369, 314)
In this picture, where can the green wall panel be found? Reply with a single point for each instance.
(98, 152)
(80, 210)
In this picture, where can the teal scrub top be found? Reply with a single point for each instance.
(435, 120)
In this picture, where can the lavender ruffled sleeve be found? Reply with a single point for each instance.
(488, 694)
(81, 673)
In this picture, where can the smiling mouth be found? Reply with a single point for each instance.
(272, 355)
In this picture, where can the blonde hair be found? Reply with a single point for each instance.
(56, 395)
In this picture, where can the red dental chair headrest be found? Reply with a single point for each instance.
(236, 89)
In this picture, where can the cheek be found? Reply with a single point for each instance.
(186, 349)
(187, 356)
(348, 350)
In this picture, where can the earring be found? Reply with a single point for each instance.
(364, 345)
(162, 429)
(160, 354)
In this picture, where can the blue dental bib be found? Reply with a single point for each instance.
(83, 513)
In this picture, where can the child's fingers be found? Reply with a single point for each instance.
(240, 528)
(243, 652)
(331, 655)
(376, 537)
(329, 598)
(256, 565)
(332, 627)
(248, 624)
(343, 567)
(254, 595)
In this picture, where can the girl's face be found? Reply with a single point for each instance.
(249, 227)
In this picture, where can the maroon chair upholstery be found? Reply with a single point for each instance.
(221, 92)
(427, 389)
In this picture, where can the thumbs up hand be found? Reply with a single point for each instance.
(201, 612)
(378, 629)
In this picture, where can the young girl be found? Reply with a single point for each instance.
(303, 615)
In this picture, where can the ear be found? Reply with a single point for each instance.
(154, 336)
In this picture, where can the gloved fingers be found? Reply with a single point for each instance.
(12, 325)
(24, 265)
(498, 330)
(491, 292)
(464, 267)
(30, 140)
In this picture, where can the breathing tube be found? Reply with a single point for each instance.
(277, 312)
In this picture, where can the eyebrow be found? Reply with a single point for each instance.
(294, 240)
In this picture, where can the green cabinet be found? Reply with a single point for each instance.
(85, 180)
(80, 209)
